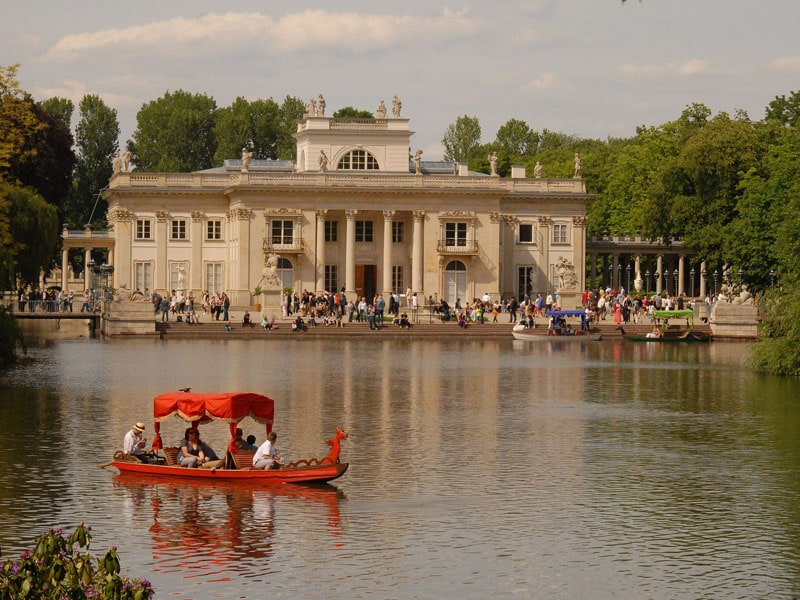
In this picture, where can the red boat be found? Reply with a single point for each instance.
(230, 408)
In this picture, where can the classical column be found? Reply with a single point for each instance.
(87, 278)
(239, 275)
(64, 265)
(319, 264)
(195, 278)
(659, 273)
(579, 249)
(161, 270)
(544, 252)
(701, 275)
(681, 270)
(417, 266)
(637, 275)
(350, 254)
(386, 286)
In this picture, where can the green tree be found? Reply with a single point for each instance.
(61, 107)
(348, 112)
(292, 111)
(18, 120)
(46, 160)
(175, 133)
(35, 239)
(785, 110)
(462, 139)
(516, 138)
(253, 125)
(97, 141)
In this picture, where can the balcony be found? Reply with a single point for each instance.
(457, 246)
(283, 245)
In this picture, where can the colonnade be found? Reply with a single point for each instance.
(657, 278)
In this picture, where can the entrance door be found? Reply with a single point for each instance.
(366, 281)
(455, 282)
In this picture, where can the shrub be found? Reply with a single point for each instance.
(58, 567)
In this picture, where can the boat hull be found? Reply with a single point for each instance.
(313, 474)
(538, 337)
(692, 338)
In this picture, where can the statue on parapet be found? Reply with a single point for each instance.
(380, 112)
(123, 294)
(323, 161)
(417, 162)
(246, 158)
(321, 104)
(397, 106)
(537, 170)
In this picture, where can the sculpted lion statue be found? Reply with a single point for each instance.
(123, 294)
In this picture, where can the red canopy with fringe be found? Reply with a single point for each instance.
(201, 408)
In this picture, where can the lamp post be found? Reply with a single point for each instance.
(666, 281)
(772, 278)
(647, 281)
(741, 277)
(619, 275)
(691, 280)
(657, 276)
(716, 277)
(610, 275)
(628, 270)
(703, 278)
(675, 281)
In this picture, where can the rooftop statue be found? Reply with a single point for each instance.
(380, 112)
(396, 107)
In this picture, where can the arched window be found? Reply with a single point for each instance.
(455, 281)
(285, 273)
(357, 160)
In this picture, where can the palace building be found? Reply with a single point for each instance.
(356, 211)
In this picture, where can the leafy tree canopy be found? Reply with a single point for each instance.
(462, 139)
(348, 112)
(175, 133)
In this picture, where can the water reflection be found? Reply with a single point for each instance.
(215, 531)
(600, 470)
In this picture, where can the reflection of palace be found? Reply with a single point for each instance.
(368, 222)
(236, 520)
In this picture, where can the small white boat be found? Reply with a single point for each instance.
(559, 330)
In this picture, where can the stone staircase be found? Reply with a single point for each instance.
(425, 328)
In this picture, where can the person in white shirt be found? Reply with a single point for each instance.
(134, 443)
(266, 457)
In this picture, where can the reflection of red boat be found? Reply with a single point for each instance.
(230, 408)
(237, 520)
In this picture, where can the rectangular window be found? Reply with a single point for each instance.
(214, 230)
(214, 281)
(178, 229)
(143, 229)
(526, 281)
(455, 234)
(397, 232)
(559, 233)
(397, 279)
(526, 233)
(282, 232)
(331, 277)
(143, 276)
(331, 231)
(364, 231)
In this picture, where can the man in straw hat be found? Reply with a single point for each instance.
(134, 444)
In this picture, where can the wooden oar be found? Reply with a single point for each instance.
(104, 465)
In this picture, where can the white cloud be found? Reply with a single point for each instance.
(690, 67)
(311, 29)
(787, 62)
(542, 82)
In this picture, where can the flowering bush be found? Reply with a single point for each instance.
(60, 568)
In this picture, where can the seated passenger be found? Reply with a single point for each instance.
(194, 453)
(404, 322)
(265, 457)
(134, 444)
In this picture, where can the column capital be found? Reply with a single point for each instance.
(388, 215)
(350, 215)
(418, 215)
(321, 213)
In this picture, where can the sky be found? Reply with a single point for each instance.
(592, 68)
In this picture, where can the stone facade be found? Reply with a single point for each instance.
(364, 219)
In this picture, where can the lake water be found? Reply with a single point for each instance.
(477, 468)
